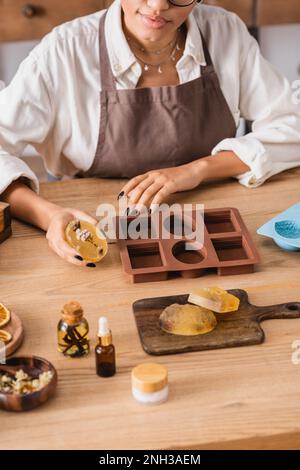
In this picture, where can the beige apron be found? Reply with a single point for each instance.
(144, 129)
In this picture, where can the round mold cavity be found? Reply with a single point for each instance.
(285, 246)
(289, 229)
(187, 253)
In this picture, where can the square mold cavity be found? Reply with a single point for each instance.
(178, 225)
(219, 222)
(144, 255)
(230, 249)
(142, 227)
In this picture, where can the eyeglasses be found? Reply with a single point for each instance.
(183, 3)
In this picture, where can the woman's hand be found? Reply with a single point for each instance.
(56, 234)
(29, 207)
(155, 186)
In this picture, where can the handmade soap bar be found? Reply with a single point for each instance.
(5, 221)
(187, 320)
(87, 240)
(216, 299)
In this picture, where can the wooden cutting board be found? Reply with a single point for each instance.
(240, 328)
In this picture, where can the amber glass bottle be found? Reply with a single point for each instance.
(105, 351)
(72, 331)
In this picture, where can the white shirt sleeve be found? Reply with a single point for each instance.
(26, 115)
(266, 98)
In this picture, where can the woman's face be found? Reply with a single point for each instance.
(153, 20)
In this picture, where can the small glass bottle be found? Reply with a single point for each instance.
(72, 331)
(105, 351)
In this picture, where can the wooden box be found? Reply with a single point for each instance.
(5, 221)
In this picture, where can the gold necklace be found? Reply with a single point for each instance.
(147, 65)
(158, 52)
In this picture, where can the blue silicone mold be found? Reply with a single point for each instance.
(288, 228)
(284, 229)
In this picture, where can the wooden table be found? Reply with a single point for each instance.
(232, 398)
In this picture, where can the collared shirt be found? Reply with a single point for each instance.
(52, 102)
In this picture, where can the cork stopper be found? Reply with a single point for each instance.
(72, 312)
(149, 377)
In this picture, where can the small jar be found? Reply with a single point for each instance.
(150, 383)
(73, 331)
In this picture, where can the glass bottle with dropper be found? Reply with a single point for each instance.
(105, 350)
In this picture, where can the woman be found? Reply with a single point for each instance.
(174, 79)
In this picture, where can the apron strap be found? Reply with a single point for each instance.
(107, 78)
(209, 67)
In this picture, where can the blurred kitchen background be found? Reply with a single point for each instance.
(276, 23)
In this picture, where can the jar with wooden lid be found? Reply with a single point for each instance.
(73, 331)
(150, 383)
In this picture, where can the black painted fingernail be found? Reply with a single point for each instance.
(121, 194)
(127, 211)
(78, 257)
(91, 265)
(150, 210)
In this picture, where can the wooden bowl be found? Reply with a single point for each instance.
(34, 365)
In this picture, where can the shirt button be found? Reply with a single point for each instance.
(136, 68)
(117, 68)
(253, 180)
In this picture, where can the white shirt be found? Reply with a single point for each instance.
(53, 101)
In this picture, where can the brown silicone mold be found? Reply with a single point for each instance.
(228, 246)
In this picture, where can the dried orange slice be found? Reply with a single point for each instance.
(87, 240)
(4, 315)
(5, 336)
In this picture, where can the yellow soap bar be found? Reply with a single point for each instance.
(87, 240)
(215, 299)
(187, 320)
